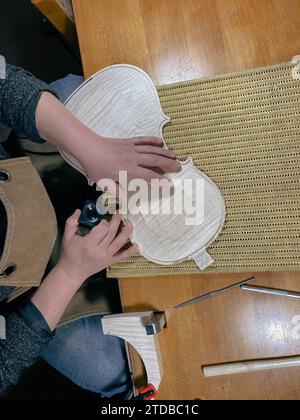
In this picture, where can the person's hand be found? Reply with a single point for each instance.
(82, 257)
(142, 158)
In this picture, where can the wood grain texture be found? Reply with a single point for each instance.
(121, 102)
(170, 238)
(175, 40)
(131, 328)
(118, 102)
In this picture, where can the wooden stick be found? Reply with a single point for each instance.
(251, 366)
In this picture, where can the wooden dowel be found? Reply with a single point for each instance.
(251, 366)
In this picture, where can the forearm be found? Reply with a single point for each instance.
(26, 333)
(58, 126)
(54, 295)
(20, 93)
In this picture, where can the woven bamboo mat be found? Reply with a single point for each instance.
(243, 130)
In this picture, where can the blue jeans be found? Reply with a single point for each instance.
(92, 360)
(80, 350)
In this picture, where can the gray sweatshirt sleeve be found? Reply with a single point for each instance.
(26, 333)
(20, 92)
(26, 329)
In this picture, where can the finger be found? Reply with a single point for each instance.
(113, 227)
(123, 255)
(99, 232)
(72, 224)
(148, 141)
(121, 239)
(160, 162)
(156, 151)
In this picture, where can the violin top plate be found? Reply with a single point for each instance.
(121, 102)
(118, 102)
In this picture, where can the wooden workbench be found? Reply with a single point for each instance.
(176, 40)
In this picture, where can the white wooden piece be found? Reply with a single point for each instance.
(165, 239)
(67, 6)
(131, 327)
(121, 102)
(251, 366)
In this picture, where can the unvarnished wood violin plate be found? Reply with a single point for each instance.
(118, 102)
(170, 238)
(122, 102)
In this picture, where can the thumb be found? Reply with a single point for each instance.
(72, 224)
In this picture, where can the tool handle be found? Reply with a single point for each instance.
(251, 366)
(270, 291)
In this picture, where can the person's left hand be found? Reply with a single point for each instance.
(142, 157)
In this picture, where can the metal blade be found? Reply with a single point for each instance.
(214, 293)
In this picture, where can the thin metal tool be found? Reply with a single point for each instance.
(270, 291)
(214, 293)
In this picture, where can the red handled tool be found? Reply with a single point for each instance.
(148, 393)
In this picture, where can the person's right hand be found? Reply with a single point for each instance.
(82, 257)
